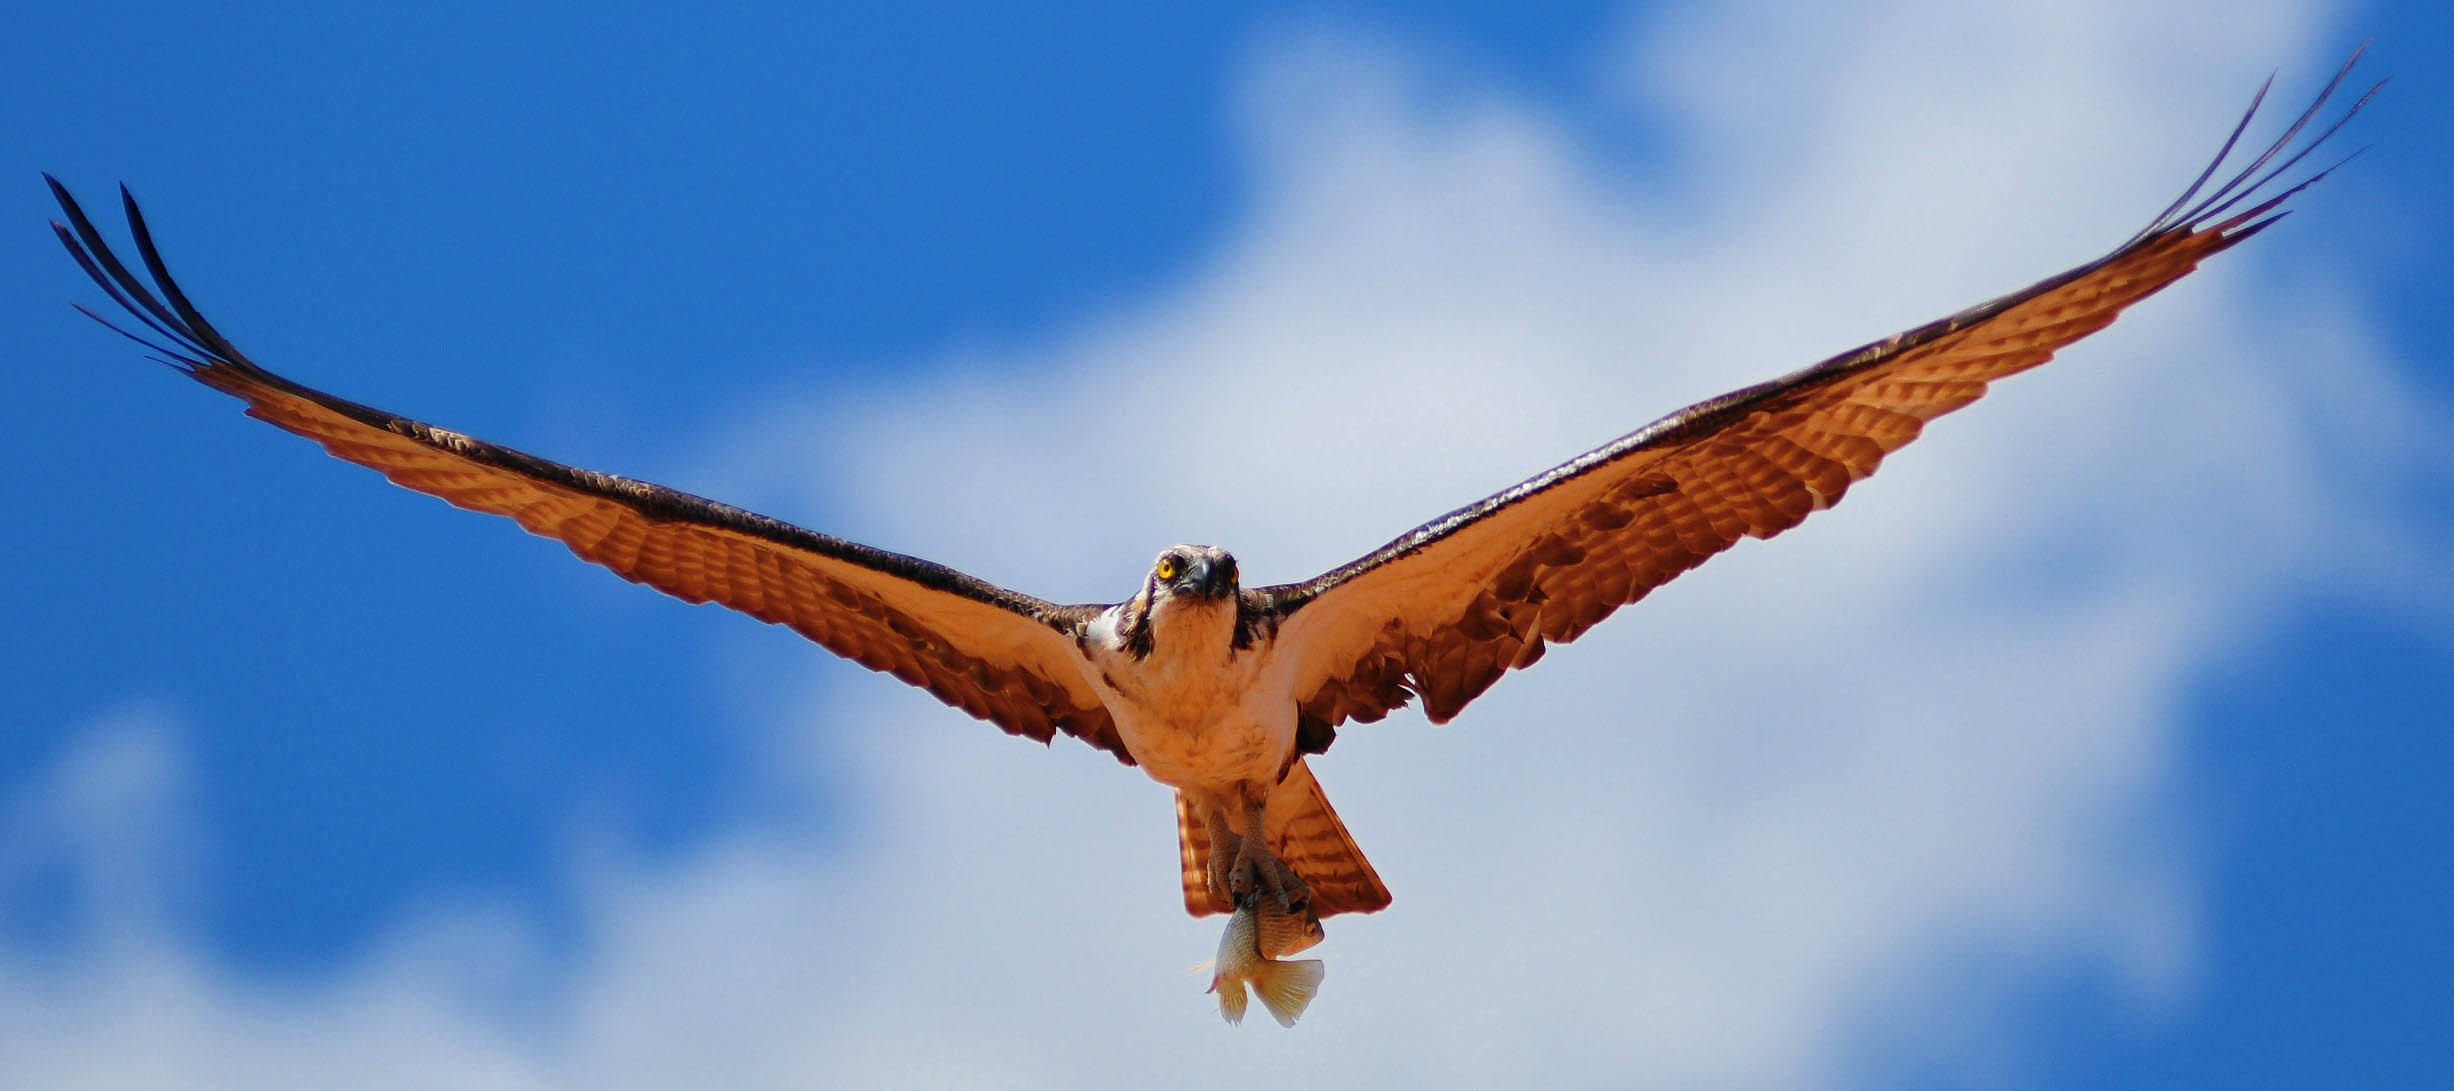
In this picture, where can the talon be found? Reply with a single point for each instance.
(1292, 893)
(1245, 876)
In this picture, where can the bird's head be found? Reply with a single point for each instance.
(1193, 572)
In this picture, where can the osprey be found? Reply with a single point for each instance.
(1219, 690)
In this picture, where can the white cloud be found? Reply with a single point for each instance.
(1818, 803)
(104, 818)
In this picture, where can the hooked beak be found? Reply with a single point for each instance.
(1212, 580)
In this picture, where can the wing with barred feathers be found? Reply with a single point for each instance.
(999, 655)
(1446, 609)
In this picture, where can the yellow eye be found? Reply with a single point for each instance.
(1168, 567)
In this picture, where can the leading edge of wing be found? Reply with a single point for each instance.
(200, 351)
(1704, 418)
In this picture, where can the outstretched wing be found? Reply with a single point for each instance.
(1444, 611)
(1001, 656)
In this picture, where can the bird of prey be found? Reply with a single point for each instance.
(1218, 690)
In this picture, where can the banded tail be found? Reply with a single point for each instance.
(1305, 833)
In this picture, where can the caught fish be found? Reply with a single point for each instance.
(1258, 933)
(1282, 933)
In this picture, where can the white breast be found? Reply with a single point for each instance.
(1192, 711)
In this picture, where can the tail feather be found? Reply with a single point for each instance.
(1286, 988)
(1305, 832)
(1193, 854)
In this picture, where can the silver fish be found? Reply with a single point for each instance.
(1248, 954)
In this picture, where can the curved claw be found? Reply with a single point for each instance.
(1258, 871)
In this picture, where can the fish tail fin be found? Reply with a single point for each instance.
(1305, 833)
(1231, 999)
(1287, 988)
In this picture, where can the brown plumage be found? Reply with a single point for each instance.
(1444, 610)
(994, 653)
(1439, 613)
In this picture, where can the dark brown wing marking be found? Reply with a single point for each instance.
(996, 654)
(1443, 611)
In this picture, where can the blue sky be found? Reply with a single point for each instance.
(2101, 739)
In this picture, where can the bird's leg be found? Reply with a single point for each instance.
(1257, 869)
(1237, 846)
(1225, 849)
